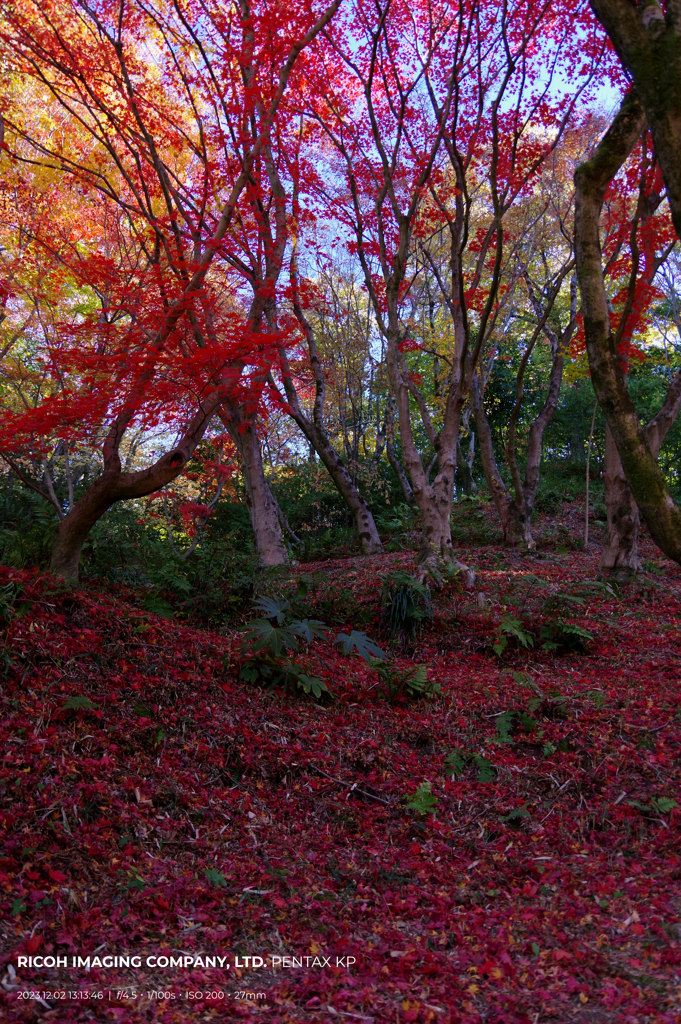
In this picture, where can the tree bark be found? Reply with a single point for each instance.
(516, 513)
(369, 539)
(395, 463)
(511, 515)
(620, 548)
(464, 463)
(262, 505)
(647, 482)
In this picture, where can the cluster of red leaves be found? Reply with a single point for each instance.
(188, 811)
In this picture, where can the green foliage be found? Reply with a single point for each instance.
(286, 675)
(216, 877)
(515, 817)
(27, 524)
(141, 711)
(272, 608)
(562, 637)
(8, 596)
(79, 704)
(508, 721)
(264, 637)
(268, 639)
(360, 642)
(405, 602)
(423, 801)
(512, 628)
(658, 805)
(457, 760)
(400, 684)
(505, 723)
(398, 519)
(157, 605)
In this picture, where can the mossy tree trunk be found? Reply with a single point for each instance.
(647, 482)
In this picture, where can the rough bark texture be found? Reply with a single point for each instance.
(464, 462)
(262, 504)
(620, 547)
(647, 482)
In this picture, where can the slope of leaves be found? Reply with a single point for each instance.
(508, 851)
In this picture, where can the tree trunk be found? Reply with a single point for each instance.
(262, 504)
(620, 548)
(114, 485)
(369, 539)
(535, 439)
(74, 528)
(313, 426)
(464, 463)
(513, 522)
(649, 46)
(647, 482)
(397, 467)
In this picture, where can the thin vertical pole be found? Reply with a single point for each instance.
(588, 459)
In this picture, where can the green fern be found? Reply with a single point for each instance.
(423, 801)
(79, 704)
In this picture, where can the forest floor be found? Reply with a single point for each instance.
(505, 851)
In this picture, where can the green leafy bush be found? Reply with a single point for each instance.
(405, 602)
(286, 675)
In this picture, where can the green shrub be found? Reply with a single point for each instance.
(405, 602)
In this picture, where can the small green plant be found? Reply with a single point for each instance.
(512, 629)
(360, 642)
(508, 721)
(215, 877)
(658, 805)
(269, 639)
(564, 637)
(8, 596)
(515, 817)
(400, 684)
(142, 711)
(287, 675)
(79, 704)
(397, 520)
(423, 801)
(277, 632)
(405, 602)
(457, 760)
